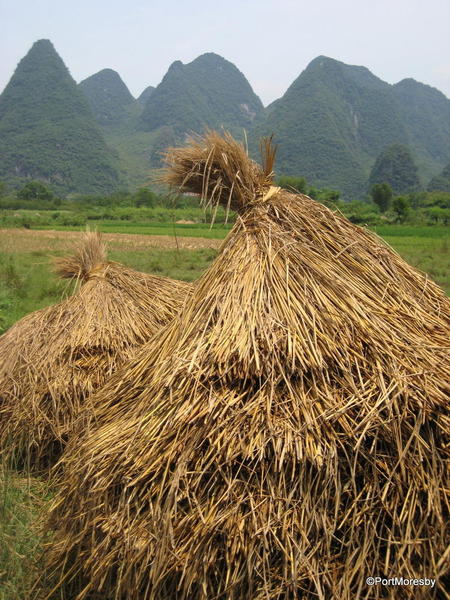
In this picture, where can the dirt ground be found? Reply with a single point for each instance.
(30, 240)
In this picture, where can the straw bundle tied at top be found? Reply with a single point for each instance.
(285, 436)
(54, 358)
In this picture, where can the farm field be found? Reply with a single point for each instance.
(27, 283)
(426, 248)
(197, 230)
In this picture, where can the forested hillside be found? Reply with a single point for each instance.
(396, 167)
(330, 126)
(441, 182)
(109, 98)
(208, 92)
(145, 95)
(426, 114)
(47, 129)
(335, 119)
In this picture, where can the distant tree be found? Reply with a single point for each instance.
(327, 196)
(417, 199)
(381, 194)
(121, 197)
(395, 166)
(401, 207)
(441, 182)
(144, 197)
(360, 212)
(288, 183)
(438, 215)
(35, 190)
(441, 199)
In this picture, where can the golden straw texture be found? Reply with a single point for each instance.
(54, 358)
(285, 437)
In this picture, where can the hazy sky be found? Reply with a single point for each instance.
(270, 41)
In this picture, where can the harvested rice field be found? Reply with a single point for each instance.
(27, 283)
(29, 240)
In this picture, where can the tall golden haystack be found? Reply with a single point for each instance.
(286, 436)
(54, 358)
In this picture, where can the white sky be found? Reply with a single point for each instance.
(270, 41)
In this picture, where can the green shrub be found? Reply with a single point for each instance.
(72, 220)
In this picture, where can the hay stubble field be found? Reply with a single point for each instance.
(28, 283)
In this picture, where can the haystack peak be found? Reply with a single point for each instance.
(66, 351)
(292, 406)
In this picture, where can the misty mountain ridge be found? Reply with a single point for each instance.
(330, 125)
(145, 95)
(207, 92)
(109, 98)
(335, 119)
(48, 131)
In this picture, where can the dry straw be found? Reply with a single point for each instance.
(54, 358)
(286, 436)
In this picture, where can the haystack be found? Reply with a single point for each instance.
(54, 358)
(285, 436)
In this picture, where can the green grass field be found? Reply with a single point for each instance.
(426, 248)
(216, 231)
(27, 283)
(391, 233)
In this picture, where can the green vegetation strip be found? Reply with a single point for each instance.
(220, 231)
(181, 230)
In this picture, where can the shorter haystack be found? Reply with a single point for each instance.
(286, 436)
(53, 359)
